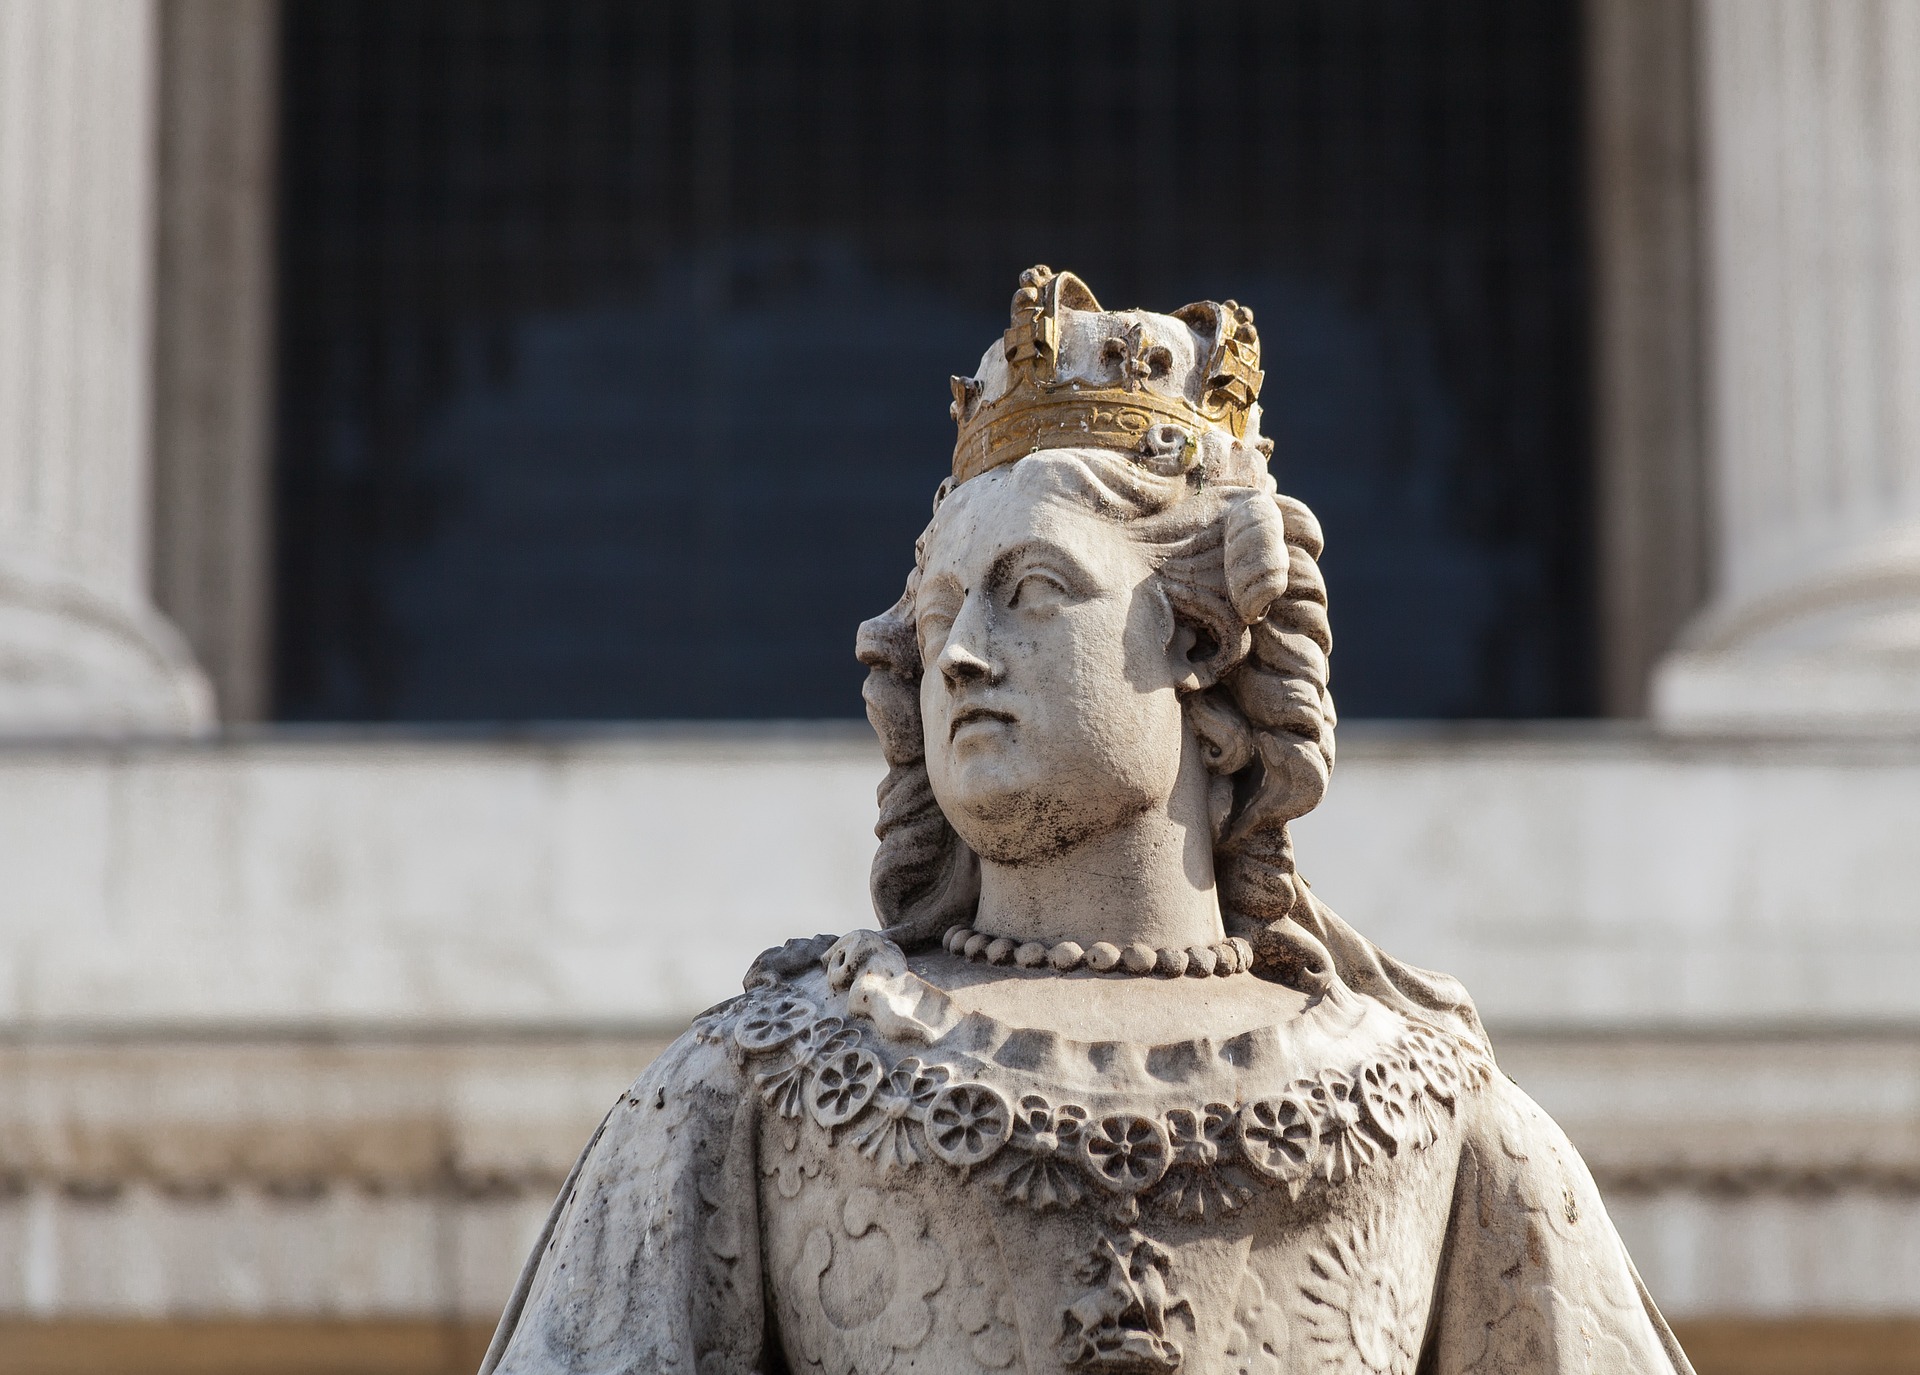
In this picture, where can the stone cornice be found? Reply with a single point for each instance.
(506, 1117)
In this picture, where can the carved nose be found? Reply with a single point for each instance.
(960, 666)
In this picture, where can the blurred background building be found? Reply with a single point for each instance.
(446, 448)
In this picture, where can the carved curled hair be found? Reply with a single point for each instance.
(1237, 564)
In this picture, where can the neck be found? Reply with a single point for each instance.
(1149, 881)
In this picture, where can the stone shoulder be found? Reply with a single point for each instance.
(1540, 1279)
(705, 1063)
(664, 1190)
(1521, 1152)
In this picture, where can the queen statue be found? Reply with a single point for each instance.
(1109, 1089)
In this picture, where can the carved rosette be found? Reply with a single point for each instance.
(1186, 1162)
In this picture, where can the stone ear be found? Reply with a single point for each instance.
(1226, 741)
(1216, 648)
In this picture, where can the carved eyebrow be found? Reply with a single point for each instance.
(1055, 558)
(940, 587)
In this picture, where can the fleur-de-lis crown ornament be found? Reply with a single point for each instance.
(1181, 390)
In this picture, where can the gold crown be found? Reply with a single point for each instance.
(1074, 376)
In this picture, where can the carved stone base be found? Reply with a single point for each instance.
(1829, 645)
(76, 662)
(1783, 693)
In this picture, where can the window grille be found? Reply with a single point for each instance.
(614, 337)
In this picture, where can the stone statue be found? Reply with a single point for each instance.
(1111, 1090)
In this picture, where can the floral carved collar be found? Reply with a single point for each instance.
(867, 1051)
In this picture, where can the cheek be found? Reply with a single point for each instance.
(1148, 638)
(933, 718)
(1063, 663)
(933, 696)
(1144, 660)
(1143, 687)
(1117, 681)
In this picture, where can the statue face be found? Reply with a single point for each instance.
(1050, 664)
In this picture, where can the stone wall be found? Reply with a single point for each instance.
(307, 1027)
(1579, 878)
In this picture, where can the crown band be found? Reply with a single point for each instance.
(1037, 410)
(1079, 420)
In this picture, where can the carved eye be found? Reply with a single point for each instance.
(1038, 588)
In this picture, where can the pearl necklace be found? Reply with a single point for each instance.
(1230, 956)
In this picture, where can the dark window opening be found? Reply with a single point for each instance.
(615, 337)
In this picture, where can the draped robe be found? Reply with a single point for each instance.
(842, 1172)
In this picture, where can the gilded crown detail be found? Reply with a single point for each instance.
(1120, 394)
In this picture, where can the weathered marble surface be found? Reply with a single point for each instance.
(1114, 1091)
(1005, 1197)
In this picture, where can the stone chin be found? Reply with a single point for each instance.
(1009, 813)
(1038, 787)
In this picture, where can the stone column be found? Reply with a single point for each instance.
(1811, 146)
(1643, 199)
(213, 339)
(82, 651)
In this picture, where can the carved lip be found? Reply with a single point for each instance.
(966, 716)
